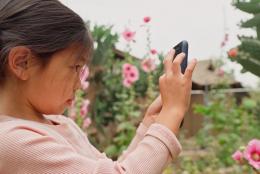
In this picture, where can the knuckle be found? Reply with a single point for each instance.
(189, 70)
(166, 60)
(175, 63)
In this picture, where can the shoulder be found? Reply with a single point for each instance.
(21, 137)
(18, 131)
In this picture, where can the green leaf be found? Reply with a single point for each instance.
(125, 126)
(253, 22)
(250, 7)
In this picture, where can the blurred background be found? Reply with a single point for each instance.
(131, 39)
(204, 23)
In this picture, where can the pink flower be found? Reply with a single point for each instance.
(132, 75)
(85, 85)
(148, 65)
(83, 77)
(86, 123)
(252, 153)
(147, 19)
(127, 68)
(127, 83)
(220, 72)
(72, 113)
(153, 51)
(128, 35)
(84, 108)
(238, 156)
(130, 72)
(84, 74)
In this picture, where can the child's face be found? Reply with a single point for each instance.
(51, 89)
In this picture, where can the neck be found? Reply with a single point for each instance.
(14, 104)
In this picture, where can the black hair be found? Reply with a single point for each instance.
(43, 26)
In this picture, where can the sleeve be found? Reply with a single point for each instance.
(140, 133)
(24, 151)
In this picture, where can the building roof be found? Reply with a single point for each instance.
(206, 74)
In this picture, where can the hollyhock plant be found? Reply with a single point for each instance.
(130, 74)
(153, 51)
(252, 153)
(84, 108)
(83, 77)
(127, 68)
(86, 123)
(128, 35)
(238, 156)
(85, 85)
(226, 37)
(147, 19)
(127, 83)
(72, 113)
(222, 44)
(84, 73)
(148, 65)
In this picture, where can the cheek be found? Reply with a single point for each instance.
(49, 95)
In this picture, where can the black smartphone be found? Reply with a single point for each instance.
(182, 47)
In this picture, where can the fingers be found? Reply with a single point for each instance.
(190, 68)
(173, 66)
(168, 61)
(176, 64)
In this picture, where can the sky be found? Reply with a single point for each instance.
(203, 23)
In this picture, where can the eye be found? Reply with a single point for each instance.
(78, 68)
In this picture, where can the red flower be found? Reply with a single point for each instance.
(147, 19)
(233, 52)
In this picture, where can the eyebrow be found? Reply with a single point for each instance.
(83, 59)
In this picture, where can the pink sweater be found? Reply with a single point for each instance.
(28, 147)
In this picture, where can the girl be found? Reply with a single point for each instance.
(43, 47)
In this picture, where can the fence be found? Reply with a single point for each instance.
(193, 122)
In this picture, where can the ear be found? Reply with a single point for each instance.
(18, 61)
